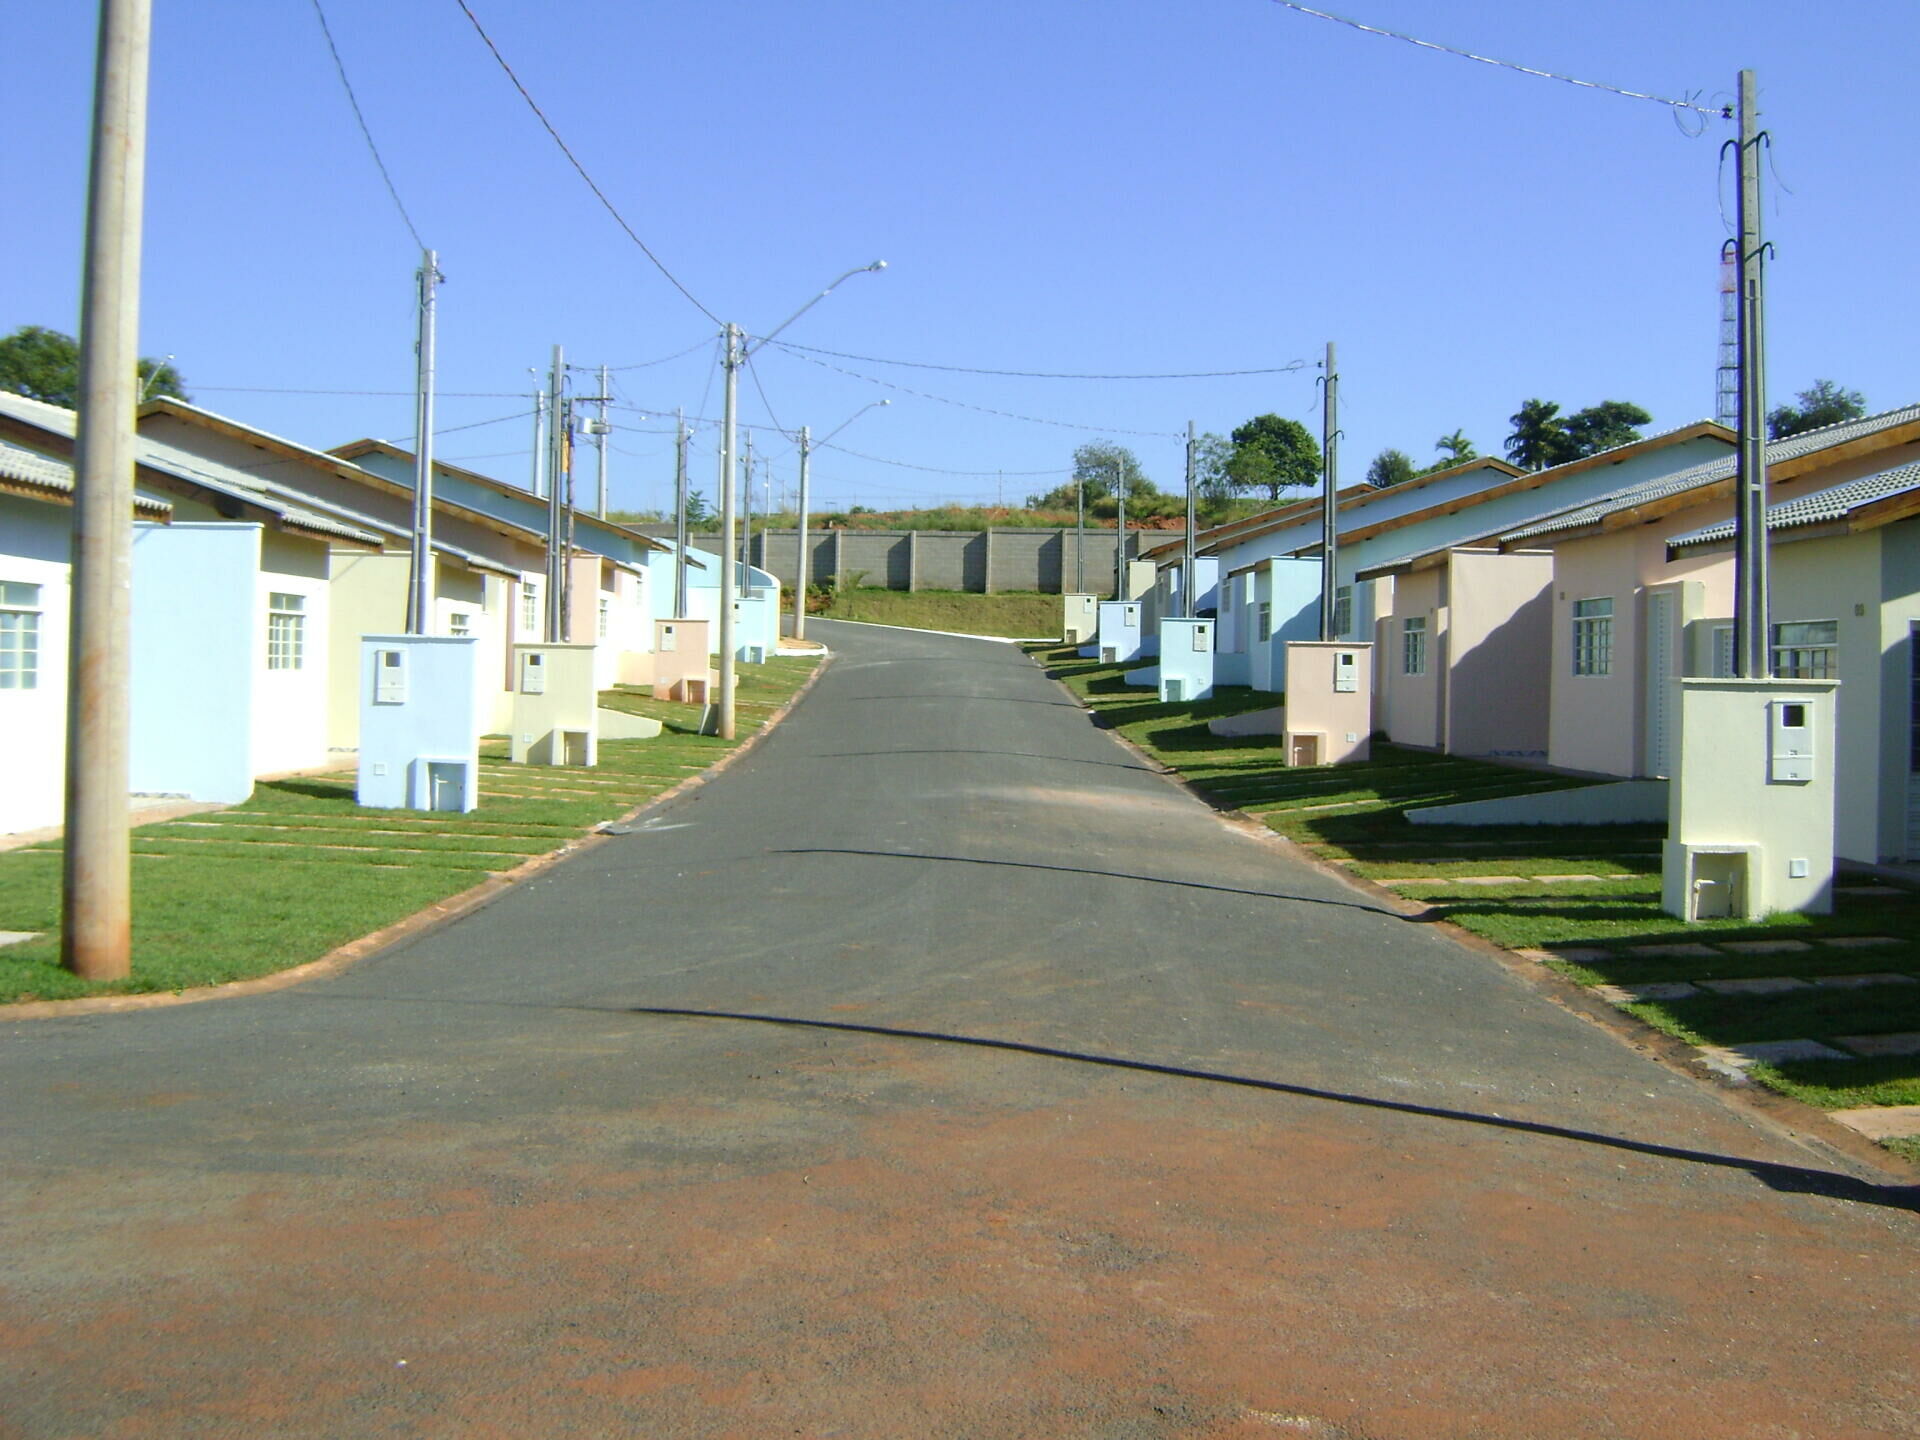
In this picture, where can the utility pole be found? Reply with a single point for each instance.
(1330, 502)
(729, 575)
(802, 573)
(556, 462)
(1079, 535)
(746, 524)
(680, 513)
(539, 442)
(1753, 659)
(600, 436)
(1120, 535)
(420, 570)
(97, 881)
(1191, 606)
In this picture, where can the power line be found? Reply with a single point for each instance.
(1288, 368)
(1724, 113)
(987, 410)
(936, 470)
(278, 390)
(644, 364)
(367, 134)
(572, 159)
(476, 424)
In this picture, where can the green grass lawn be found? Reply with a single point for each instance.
(1017, 614)
(299, 869)
(1355, 816)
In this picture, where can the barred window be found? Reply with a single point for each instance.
(529, 606)
(1593, 637)
(19, 635)
(1807, 650)
(1342, 611)
(1266, 621)
(1413, 645)
(605, 614)
(459, 622)
(286, 631)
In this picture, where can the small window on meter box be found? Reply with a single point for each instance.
(1200, 637)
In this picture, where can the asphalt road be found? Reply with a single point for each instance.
(938, 1070)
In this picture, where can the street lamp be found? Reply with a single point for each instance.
(738, 351)
(804, 572)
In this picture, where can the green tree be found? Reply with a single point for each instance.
(1102, 471)
(1390, 467)
(698, 511)
(1212, 486)
(1823, 403)
(44, 365)
(1605, 426)
(1273, 454)
(1455, 449)
(1539, 437)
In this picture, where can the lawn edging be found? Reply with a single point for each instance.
(422, 922)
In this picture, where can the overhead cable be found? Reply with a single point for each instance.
(1722, 113)
(281, 390)
(1290, 366)
(936, 470)
(573, 160)
(365, 133)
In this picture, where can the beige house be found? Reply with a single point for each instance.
(1626, 618)
(1844, 572)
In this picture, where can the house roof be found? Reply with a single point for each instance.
(355, 449)
(26, 472)
(1795, 455)
(173, 466)
(1863, 504)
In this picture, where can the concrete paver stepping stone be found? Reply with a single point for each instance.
(1653, 990)
(1771, 1052)
(1898, 1042)
(1864, 979)
(1763, 985)
(1764, 947)
(1881, 1122)
(1880, 890)
(1687, 951)
(1557, 879)
(1580, 954)
(17, 937)
(1861, 942)
(1484, 879)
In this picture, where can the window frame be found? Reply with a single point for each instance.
(1592, 656)
(286, 630)
(20, 660)
(1413, 645)
(1827, 667)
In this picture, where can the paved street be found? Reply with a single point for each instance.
(937, 1071)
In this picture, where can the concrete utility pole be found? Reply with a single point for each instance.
(420, 567)
(680, 513)
(556, 530)
(600, 434)
(746, 524)
(1330, 502)
(1191, 606)
(539, 442)
(801, 570)
(1120, 534)
(729, 573)
(1753, 658)
(96, 940)
(1079, 536)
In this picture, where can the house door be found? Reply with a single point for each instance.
(1662, 607)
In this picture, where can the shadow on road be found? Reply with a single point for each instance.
(998, 754)
(1788, 1179)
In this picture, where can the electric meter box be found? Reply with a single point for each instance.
(1186, 661)
(1328, 717)
(419, 722)
(555, 707)
(1119, 632)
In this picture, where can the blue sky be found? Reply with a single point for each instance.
(1123, 186)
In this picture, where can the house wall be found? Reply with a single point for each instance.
(1499, 644)
(369, 597)
(35, 542)
(199, 646)
(1899, 683)
(290, 707)
(1292, 588)
(482, 600)
(1411, 706)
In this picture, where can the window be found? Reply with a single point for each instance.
(459, 622)
(1342, 610)
(286, 631)
(529, 606)
(1722, 652)
(1807, 650)
(19, 635)
(1593, 637)
(1413, 645)
(1265, 621)
(606, 607)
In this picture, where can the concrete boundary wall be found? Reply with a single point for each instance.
(983, 561)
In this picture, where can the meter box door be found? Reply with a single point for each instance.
(1790, 757)
(389, 677)
(1202, 640)
(533, 673)
(1346, 672)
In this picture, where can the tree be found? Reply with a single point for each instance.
(1539, 437)
(1102, 470)
(1272, 453)
(1390, 467)
(1605, 426)
(1824, 403)
(1455, 449)
(698, 511)
(1212, 485)
(44, 365)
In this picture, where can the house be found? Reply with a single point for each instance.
(1627, 619)
(230, 618)
(1844, 574)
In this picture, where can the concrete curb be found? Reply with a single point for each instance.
(954, 634)
(1792, 1119)
(420, 923)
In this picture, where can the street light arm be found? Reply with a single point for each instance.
(748, 349)
(870, 405)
